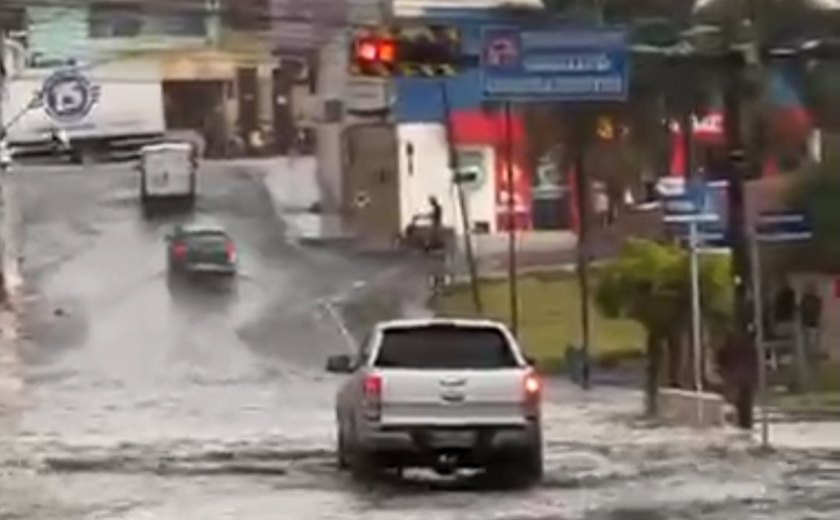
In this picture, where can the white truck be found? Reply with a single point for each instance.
(442, 394)
(107, 110)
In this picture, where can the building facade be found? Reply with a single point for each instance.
(486, 146)
(213, 60)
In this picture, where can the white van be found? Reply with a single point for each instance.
(168, 172)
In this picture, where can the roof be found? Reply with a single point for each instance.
(202, 228)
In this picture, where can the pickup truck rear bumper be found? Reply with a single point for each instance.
(477, 445)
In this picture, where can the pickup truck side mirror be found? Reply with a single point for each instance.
(531, 361)
(340, 365)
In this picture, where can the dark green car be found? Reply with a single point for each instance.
(201, 249)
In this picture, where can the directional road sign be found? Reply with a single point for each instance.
(556, 64)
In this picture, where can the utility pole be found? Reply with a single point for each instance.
(462, 198)
(581, 121)
(737, 158)
(5, 159)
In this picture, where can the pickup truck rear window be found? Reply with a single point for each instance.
(445, 347)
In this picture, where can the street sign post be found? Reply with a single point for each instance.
(691, 206)
(558, 64)
(774, 228)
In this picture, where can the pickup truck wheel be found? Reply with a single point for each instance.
(341, 451)
(531, 468)
(523, 471)
(363, 465)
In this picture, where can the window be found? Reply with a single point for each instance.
(445, 347)
(13, 19)
(206, 241)
(177, 24)
(115, 20)
(248, 15)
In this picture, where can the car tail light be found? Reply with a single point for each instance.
(230, 251)
(532, 389)
(179, 251)
(373, 396)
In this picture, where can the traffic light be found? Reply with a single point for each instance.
(424, 51)
(374, 55)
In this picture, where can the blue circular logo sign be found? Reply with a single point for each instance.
(68, 96)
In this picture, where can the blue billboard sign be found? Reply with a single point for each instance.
(702, 203)
(558, 64)
(783, 227)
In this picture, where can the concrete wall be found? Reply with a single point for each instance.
(687, 408)
(62, 32)
(332, 81)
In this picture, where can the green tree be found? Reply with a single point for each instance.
(816, 193)
(649, 283)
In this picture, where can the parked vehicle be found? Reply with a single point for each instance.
(168, 172)
(201, 249)
(108, 110)
(439, 393)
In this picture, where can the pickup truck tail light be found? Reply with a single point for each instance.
(179, 251)
(372, 387)
(230, 252)
(532, 390)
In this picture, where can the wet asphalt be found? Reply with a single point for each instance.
(131, 397)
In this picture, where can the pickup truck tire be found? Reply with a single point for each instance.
(523, 471)
(530, 470)
(342, 457)
(363, 465)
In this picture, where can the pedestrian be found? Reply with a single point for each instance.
(784, 311)
(810, 317)
(436, 221)
(738, 361)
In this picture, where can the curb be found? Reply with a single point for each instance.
(495, 275)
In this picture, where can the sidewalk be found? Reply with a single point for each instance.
(534, 250)
(293, 186)
(824, 435)
(542, 250)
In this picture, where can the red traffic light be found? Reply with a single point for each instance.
(381, 50)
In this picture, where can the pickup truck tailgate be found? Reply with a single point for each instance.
(453, 398)
(450, 374)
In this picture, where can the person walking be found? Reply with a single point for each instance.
(810, 317)
(436, 221)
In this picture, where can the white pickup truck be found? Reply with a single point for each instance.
(439, 393)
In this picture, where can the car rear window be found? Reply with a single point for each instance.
(206, 239)
(445, 347)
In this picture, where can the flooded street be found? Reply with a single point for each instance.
(132, 398)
